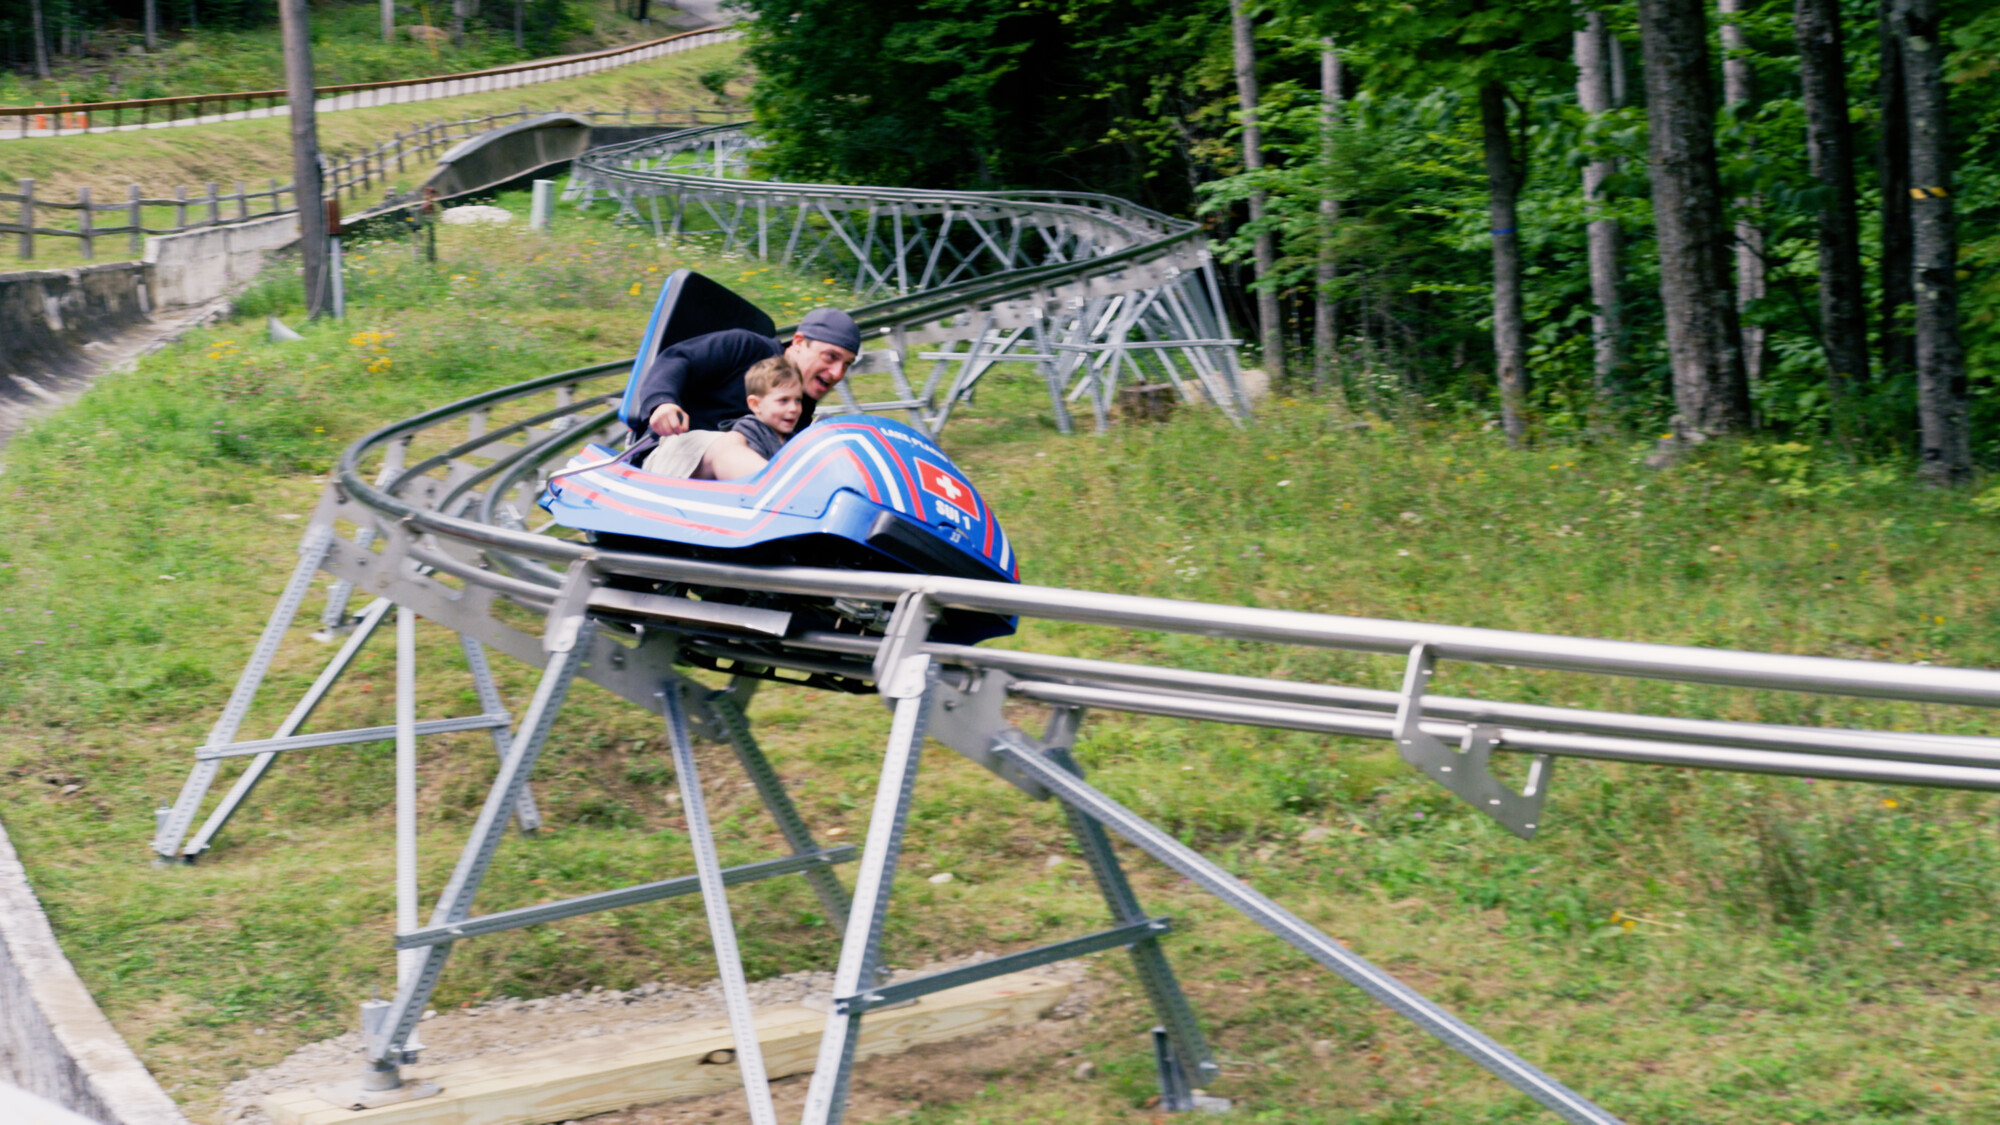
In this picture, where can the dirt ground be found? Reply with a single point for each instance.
(884, 1087)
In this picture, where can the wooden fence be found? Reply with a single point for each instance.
(81, 117)
(353, 175)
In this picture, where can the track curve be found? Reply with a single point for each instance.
(1094, 292)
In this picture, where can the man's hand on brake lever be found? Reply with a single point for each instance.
(668, 419)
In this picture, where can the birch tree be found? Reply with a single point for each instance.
(1271, 329)
(1737, 94)
(1593, 95)
(1326, 325)
(1504, 174)
(1945, 446)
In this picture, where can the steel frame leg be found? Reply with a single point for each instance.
(729, 717)
(364, 627)
(385, 1048)
(715, 898)
(526, 815)
(406, 787)
(174, 826)
(860, 951)
(1294, 931)
(1170, 1004)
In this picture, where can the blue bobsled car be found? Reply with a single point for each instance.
(850, 491)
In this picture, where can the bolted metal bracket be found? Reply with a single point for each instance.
(967, 717)
(901, 667)
(571, 608)
(1467, 768)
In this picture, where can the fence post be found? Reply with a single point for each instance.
(273, 193)
(214, 207)
(399, 150)
(83, 221)
(181, 207)
(242, 203)
(138, 218)
(27, 247)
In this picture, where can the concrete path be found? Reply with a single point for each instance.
(25, 397)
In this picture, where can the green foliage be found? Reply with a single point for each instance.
(1067, 94)
(1077, 94)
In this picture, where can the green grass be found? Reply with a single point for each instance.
(347, 48)
(1683, 947)
(257, 150)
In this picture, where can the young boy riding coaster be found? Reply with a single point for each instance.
(698, 384)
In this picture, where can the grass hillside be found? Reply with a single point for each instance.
(260, 149)
(1684, 947)
(347, 47)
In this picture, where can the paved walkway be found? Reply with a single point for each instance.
(25, 397)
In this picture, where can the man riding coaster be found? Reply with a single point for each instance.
(695, 386)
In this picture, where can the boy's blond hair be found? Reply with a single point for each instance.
(769, 375)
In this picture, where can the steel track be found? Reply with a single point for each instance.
(430, 513)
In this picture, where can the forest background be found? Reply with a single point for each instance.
(1428, 181)
(1655, 217)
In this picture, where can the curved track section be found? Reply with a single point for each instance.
(430, 516)
(1096, 292)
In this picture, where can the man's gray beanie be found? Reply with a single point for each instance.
(831, 326)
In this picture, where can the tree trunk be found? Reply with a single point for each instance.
(1941, 381)
(41, 34)
(1617, 53)
(1737, 93)
(1843, 309)
(1326, 325)
(305, 156)
(1510, 330)
(459, 11)
(520, 24)
(1593, 94)
(1899, 348)
(1271, 327)
(388, 21)
(1710, 390)
(152, 25)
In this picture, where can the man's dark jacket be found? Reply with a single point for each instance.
(704, 376)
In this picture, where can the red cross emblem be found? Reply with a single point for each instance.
(944, 486)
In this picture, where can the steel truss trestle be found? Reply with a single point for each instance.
(435, 513)
(1095, 292)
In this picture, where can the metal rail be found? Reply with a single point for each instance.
(1095, 291)
(429, 513)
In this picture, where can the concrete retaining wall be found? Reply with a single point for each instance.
(47, 315)
(195, 266)
(54, 1041)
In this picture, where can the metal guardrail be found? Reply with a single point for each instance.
(72, 119)
(436, 504)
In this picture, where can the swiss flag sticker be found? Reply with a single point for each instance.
(944, 486)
